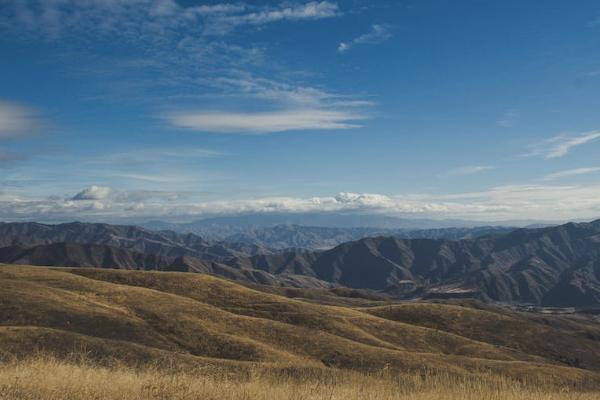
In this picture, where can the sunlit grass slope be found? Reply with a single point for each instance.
(191, 321)
(50, 379)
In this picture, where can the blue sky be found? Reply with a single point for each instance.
(114, 109)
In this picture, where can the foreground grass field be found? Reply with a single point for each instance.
(47, 379)
(108, 334)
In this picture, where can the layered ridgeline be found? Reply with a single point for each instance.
(314, 237)
(289, 235)
(138, 318)
(555, 266)
(129, 247)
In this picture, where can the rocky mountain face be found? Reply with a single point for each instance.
(554, 266)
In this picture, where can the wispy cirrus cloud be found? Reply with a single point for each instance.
(153, 17)
(287, 107)
(225, 23)
(17, 120)
(570, 173)
(379, 33)
(292, 95)
(508, 120)
(468, 170)
(175, 56)
(561, 145)
(265, 122)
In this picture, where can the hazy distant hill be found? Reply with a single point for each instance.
(314, 237)
(222, 227)
(284, 236)
(326, 220)
(553, 266)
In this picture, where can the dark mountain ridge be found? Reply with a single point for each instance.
(552, 266)
(134, 238)
(103, 256)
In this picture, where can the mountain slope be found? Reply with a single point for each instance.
(145, 317)
(556, 266)
(102, 256)
(553, 266)
(163, 243)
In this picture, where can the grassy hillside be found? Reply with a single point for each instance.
(48, 379)
(188, 321)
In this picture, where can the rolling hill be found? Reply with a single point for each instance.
(140, 318)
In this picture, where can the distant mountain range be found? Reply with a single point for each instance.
(285, 236)
(324, 220)
(552, 266)
(314, 237)
(220, 228)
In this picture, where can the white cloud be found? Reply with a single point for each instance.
(308, 11)
(560, 145)
(542, 202)
(379, 33)
(297, 108)
(93, 193)
(283, 93)
(265, 122)
(169, 43)
(571, 172)
(56, 17)
(343, 47)
(468, 170)
(17, 120)
(509, 119)
(216, 9)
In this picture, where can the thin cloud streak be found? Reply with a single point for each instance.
(183, 61)
(55, 18)
(468, 170)
(265, 122)
(379, 33)
(561, 145)
(508, 119)
(571, 172)
(224, 24)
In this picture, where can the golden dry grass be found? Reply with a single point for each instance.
(49, 379)
(178, 336)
